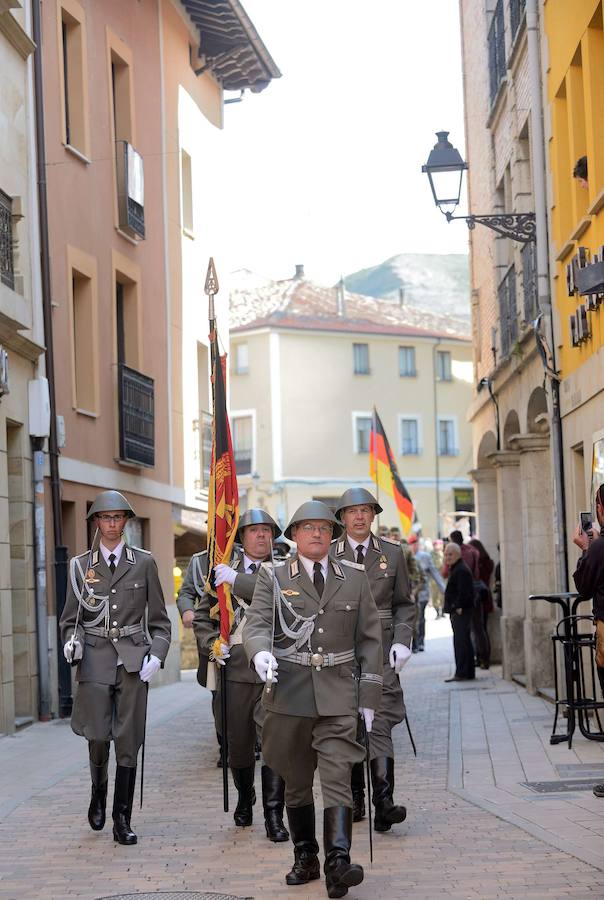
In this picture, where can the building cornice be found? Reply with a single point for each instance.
(13, 32)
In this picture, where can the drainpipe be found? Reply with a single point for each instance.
(60, 551)
(436, 457)
(543, 285)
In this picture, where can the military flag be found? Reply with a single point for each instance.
(223, 497)
(384, 471)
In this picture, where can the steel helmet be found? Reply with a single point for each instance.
(357, 497)
(313, 509)
(256, 516)
(110, 501)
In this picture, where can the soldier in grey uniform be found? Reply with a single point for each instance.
(314, 628)
(244, 711)
(384, 563)
(112, 590)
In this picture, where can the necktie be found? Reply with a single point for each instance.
(360, 554)
(318, 580)
(252, 568)
(112, 563)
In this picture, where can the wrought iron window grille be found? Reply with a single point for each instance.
(7, 269)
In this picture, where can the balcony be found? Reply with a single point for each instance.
(508, 316)
(130, 190)
(529, 281)
(517, 10)
(136, 397)
(7, 271)
(496, 48)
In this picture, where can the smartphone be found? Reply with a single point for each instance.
(586, 522)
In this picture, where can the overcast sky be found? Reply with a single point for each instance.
(324, 166)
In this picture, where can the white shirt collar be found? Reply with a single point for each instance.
(247, 562)
(354, 544)
(117, 552)
(309, 565)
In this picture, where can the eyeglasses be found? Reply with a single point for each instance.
(310, 529)
(111, 519)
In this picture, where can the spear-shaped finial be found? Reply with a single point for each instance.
(211, 286)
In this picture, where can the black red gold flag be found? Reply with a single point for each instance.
(384, 471)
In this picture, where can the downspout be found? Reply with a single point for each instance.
(543, 285)
(436, 457)
(60, 551)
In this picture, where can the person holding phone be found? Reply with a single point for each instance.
(589, 581)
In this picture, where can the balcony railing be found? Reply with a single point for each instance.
(508, 316)
(517, 9)
(529, 281)
(496, 44)
(7, 272)
(136, 394)
(130, 189)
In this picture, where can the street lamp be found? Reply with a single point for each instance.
(445, 168)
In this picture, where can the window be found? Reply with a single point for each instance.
(187, 191)
(517, 10)
(204, 423)
(443, 365)
(83, 339)
(409, 437)
(508, 314)
(362, 431)
(360, 354)
(7, 271)
(496, 43)
(121, 96)
(243, 435)
(241, 359)
(74, 76)
(126, 314)
(447, 437)
(205, 443)
(406, 362)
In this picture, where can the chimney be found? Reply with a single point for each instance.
(341, 298)
(401, 297)
(299, 272)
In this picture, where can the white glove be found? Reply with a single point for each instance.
(149, 668)
(224, 655)
(367, 715)
(261, 661)
(399, 654)
(224, 573)
(72, 651)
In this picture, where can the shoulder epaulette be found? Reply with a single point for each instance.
(390, 541)
(140, 550)
(351, 564)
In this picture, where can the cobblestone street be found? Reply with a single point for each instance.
(465, 796)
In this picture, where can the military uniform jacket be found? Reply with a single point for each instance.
(346, 618)
(386, 570)
(207, 629)
(126, 598)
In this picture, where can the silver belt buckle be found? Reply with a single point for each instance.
(114, 633)
(317, 660)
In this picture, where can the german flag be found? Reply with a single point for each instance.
(223, 497)
(384, 471)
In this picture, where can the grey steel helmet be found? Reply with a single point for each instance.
(256, 516)
(313, 509)
(110, 501)
(357, 497)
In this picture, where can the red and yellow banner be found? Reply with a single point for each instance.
(384, 471)
(223, 497)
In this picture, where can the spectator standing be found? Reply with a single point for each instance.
(459, 603)
(484, 599)
(427, 572)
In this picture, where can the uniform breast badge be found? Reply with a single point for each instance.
(290, 593)
(383, 562)
(91, 577)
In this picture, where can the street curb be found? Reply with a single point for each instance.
(455, 786)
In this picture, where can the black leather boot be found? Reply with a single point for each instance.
(387, 813)
(340, 873)
(123, 796)
(306, 860)
(244, 782)
(357, 783)
(98, 752)
(273, 790)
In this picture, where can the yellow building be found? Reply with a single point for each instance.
(574, 49)
(307, 366)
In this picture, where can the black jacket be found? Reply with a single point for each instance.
(459, 592)
(589, 575)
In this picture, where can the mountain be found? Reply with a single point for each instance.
(431, 281)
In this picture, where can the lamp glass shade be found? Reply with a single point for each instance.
(445, 168)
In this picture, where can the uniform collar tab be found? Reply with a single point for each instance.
(375, 543)
(337, 569)
(341, 548)
(294, 569)
(130, 557)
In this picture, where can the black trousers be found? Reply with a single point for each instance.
(480, 633)
(462, 643)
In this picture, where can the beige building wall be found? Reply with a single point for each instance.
(21, 340)
(305, 399)
(514, 517)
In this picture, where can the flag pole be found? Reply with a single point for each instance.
(210, 289)
(377, 482)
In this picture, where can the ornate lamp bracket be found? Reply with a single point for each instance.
(516, 226)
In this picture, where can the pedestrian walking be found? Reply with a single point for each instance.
(459, 603)
(386, 570)
(313, 635)
(112, 590)
(428, 572)
(245, 712)
(483, 603)
(589, 581)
